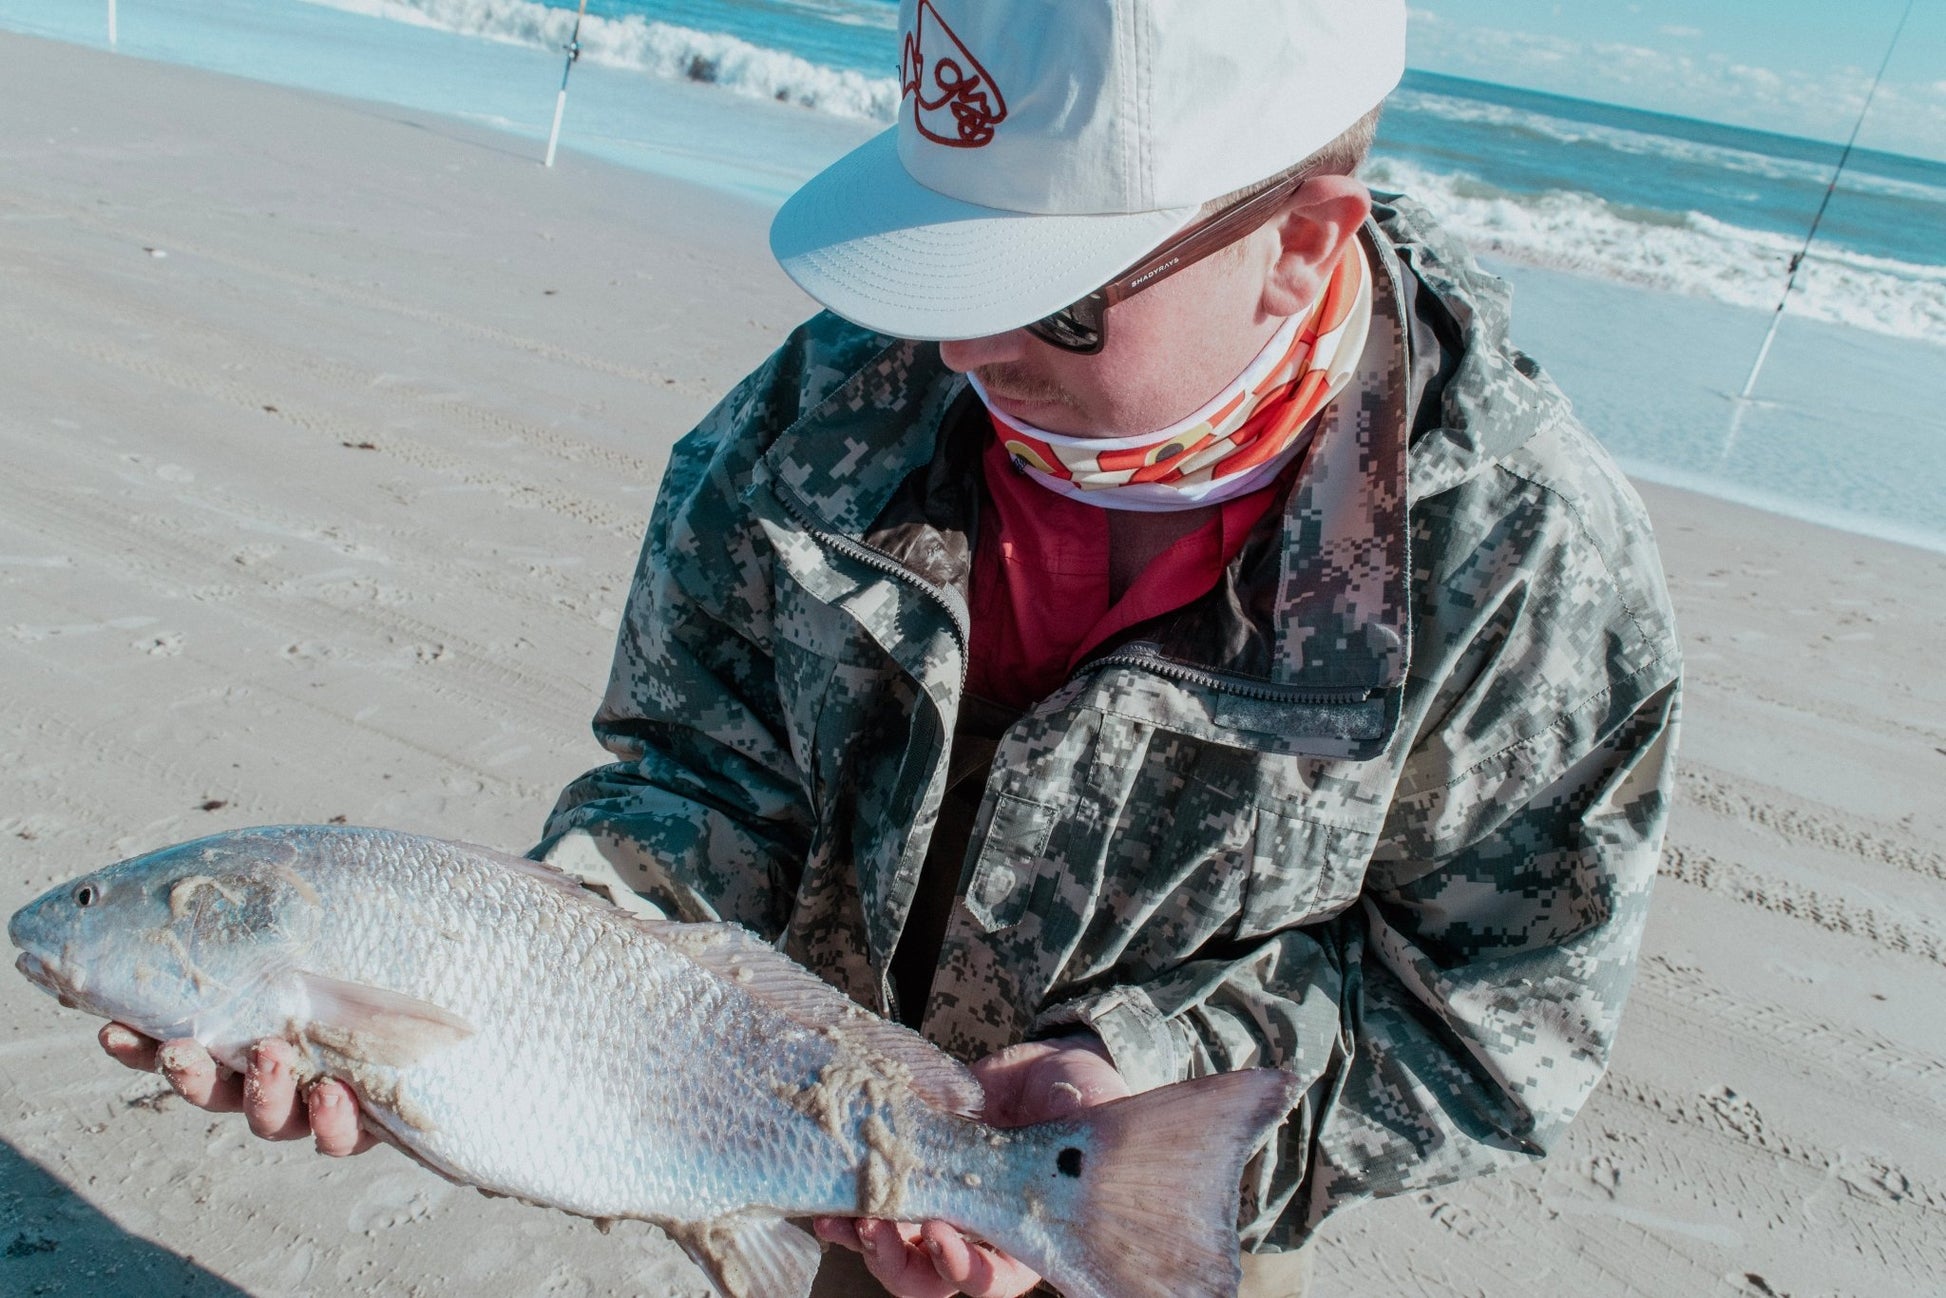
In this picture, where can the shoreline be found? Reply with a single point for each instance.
(1650, 368)
(329, 509)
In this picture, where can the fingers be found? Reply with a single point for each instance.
(271, 1100)
(842, 1231)
(128, 1047)
(930, 1261)
(198, 1078)
(333, 1112)
(1038, 1081)
(974, 1267)
(271, 1104)
(898, 1259)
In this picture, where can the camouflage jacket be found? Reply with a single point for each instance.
(1382, 809)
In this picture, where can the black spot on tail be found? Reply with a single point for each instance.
(1069, 1161)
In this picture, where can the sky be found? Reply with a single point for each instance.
(1800, 67)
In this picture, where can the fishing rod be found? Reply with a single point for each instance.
(1797, 261)
(561, 100)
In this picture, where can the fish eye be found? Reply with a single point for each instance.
(85, 895)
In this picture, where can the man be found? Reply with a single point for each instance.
(1220, 648)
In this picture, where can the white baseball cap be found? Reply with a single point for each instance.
(1043, 146)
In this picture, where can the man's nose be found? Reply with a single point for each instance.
(963, 354)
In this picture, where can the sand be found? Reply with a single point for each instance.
(329, 434)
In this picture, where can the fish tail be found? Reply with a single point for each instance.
(1157, 1209)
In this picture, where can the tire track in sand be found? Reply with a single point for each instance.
(1684, 1000)
(1803, 821)
(1722, 1115)
(1750, 887)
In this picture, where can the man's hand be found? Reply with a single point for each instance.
(1033, 1082)
(267, 1094)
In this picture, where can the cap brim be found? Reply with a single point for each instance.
(883, 251)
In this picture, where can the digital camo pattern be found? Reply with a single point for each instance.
(1383, 809)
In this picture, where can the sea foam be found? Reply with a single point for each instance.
(1651, 145)
(1688, 253)
(656, 48)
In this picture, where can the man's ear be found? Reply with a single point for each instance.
(1321, 218)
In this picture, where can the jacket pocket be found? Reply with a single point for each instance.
(1010, 861)
(1302, 871)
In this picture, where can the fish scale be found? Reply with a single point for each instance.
(565, 983)
(512, 1031)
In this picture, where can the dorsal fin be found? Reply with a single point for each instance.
(736, 955)
(527, 865)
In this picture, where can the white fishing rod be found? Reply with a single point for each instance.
(111, 22)
(561, 100)
(1797, 262)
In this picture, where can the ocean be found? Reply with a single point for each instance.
(1647, 252)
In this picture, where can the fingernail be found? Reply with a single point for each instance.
(326, 1097)
(933, 1247)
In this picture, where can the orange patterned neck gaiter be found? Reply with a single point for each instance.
(1236, 443)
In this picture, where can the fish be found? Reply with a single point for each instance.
(514, 1031)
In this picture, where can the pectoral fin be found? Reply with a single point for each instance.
(752, 1255)
(372, 1025)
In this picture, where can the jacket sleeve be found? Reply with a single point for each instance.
(703, 812)
(1456, 1017)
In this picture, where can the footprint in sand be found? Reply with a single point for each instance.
(396, 1201)
(1736, 1113)
(1874, 1179)
(166, 645)
(308, 651)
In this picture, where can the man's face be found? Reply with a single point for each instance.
(1168, 350)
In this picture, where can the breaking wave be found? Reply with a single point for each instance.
(657, 48)
(1561, 228)
(1652, 145)
(1690, 253)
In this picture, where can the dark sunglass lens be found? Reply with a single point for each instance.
(1066, 331)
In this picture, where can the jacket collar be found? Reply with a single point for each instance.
(1328, 601)
(846, 456)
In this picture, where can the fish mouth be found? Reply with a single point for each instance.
(38, 972)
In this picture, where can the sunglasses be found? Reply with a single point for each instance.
(1082, 326)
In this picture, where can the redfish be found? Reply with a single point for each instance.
(512, 1031)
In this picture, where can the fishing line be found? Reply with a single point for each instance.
(1797, 261)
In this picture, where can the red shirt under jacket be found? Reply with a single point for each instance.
(1040, 599)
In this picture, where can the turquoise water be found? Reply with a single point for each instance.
(1845, 429)
(1648, 252)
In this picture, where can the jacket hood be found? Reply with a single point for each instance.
(1477, 397)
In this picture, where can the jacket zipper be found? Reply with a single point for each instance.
(879, 561)
(1147, 659)
(1137, 655)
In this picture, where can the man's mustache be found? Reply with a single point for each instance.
(1012, 381)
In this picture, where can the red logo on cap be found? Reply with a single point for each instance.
(954, 100)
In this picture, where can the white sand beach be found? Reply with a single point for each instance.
(328, 435)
